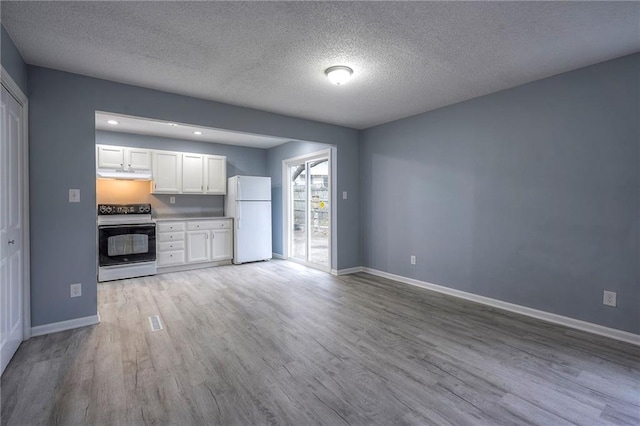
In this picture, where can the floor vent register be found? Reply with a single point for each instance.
(156, 325)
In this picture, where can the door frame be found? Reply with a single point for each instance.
(287, 204)
(17, 93)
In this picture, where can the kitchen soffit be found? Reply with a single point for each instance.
(407, 57)
(147, 126)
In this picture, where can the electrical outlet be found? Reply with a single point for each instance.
(344, 195)
(609, 298)
(172, 200)
(76, 290)
(413, 260)
(74, 195)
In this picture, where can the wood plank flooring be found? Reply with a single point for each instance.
(277, 343)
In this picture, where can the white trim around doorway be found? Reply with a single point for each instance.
(286, 206)
(17, 93)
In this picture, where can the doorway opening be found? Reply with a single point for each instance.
(308, 209)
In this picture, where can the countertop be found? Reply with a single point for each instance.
(188, 218)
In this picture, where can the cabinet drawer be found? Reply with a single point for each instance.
(170, 236)
(171, 226)
(210, 224)
(167, 258)
(171, 246)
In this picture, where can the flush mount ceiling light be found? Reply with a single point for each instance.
(112, 122)
(172, 124)
(197, 133)
(339, 74)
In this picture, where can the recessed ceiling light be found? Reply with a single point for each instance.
(197, 133)
(339, 74)
(112, 122)
(172, 124)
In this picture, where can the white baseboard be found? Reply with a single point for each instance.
(347, 271)
(589, 327)
(277, 256)
(64, 325)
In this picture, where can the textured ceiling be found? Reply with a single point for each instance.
(407, 57)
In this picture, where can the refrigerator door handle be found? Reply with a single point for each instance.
(238, 211)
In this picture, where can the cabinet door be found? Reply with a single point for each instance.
(138, 159)
(166, 172)
(192, 174)
(216, 171)
(110, 157)
(221, 244)
(198, 246)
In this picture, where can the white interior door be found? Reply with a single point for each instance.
(11, 228)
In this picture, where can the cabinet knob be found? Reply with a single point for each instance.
(170, 255)
(170, 236)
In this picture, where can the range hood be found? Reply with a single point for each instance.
(124, 175)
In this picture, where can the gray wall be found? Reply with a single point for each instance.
(12, 60)
(530, 195)
(240, 161)
(62, 156)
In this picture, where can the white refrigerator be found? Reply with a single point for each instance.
(248, 202)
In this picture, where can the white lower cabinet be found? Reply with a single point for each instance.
(198, 246)
(170, 244)
(221, 244)
(194, 242)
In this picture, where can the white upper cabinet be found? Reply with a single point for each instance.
(173, 172)
(137, 159)
(192, 173)
(204, 174)
(122, 158)
(216, 174)
(167, 172)
(110, 157)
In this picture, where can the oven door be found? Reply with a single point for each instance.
(123, 244)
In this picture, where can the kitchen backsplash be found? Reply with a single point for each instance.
(131, 191)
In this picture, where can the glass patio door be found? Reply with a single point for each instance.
(310, 218)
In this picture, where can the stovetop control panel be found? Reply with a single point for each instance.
(107, 209)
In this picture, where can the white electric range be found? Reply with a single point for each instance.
(126, 241)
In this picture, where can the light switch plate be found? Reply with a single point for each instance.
(344, 195)
(74, 195)
(75, 290)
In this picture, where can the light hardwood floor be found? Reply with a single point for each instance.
(277, 343)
